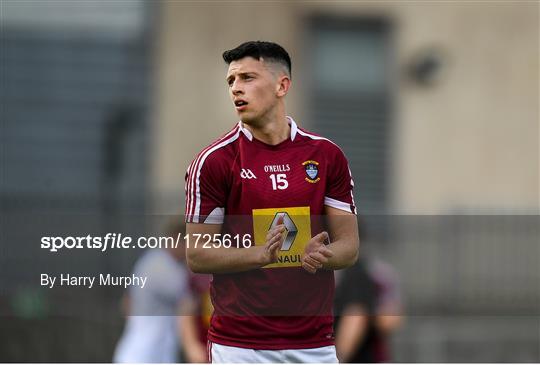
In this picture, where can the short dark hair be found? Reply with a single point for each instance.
(259, 49)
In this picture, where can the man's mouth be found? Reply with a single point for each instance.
(240, 105)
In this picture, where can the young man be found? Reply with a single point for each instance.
(269, 180)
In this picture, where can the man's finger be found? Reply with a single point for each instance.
(309, 268)
(272, 236)
(313, 262)
(321, 237)
(325, 252)
(274, 239)
(273, 251)
(318, 257)
(280, 236)
(277, 229)
(274, 246)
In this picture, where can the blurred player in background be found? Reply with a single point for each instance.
(368, 310)
(151, 332)
(196, 321)
(273, 299)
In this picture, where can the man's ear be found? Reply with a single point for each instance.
(283, 86)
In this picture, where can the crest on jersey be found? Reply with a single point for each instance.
(312, 171)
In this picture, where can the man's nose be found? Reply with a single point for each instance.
(236, 88)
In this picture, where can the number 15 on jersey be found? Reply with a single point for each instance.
(279, 181)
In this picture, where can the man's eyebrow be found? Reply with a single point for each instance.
(241, 74)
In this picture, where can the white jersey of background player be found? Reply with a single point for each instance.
(151, 333)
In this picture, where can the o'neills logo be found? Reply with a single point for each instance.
(312, 171)
(277, 168)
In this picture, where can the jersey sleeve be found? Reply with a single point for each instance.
(206, 190)
(339, 186)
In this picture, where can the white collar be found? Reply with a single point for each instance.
(292, 123)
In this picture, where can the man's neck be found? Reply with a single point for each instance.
(272, 132)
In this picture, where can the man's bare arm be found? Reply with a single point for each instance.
(343, 230)
(342, 252)
(351, 331)
(224, 260)
(194, 350)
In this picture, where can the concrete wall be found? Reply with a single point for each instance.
(468, 141)
(472, 140)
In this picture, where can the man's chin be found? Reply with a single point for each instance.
(249, 120)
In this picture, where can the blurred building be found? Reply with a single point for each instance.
(104, 104)
(436, 104)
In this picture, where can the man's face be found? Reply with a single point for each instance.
(253, 89)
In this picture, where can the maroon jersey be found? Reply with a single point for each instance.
(249, 186)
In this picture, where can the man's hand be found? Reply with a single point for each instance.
(217, 260)
(316, 254)
(274, 240)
